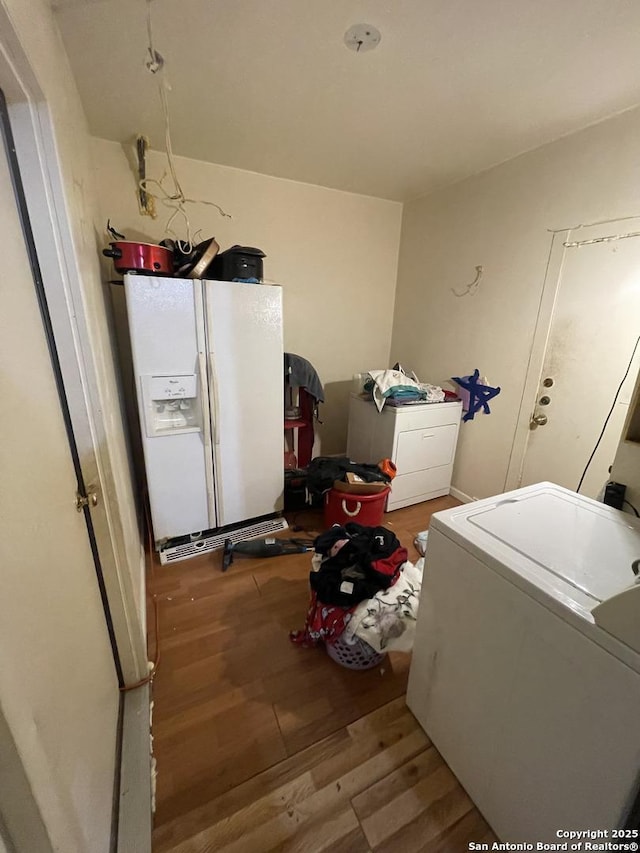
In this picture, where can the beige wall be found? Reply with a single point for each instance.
(500, 219)
(335, 253)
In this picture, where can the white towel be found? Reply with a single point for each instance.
(434, 393)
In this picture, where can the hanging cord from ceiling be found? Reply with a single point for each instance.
(175, 199)
(607, 419)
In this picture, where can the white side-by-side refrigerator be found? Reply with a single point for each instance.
(208, 365)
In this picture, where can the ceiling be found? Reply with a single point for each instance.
(454, 87)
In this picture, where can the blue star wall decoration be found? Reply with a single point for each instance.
(479, 395)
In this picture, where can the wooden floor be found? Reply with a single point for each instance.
(264, 746)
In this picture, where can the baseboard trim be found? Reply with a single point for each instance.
(134, 825)
(461, 496)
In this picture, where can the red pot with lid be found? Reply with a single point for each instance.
(140, 257)
(130, 256)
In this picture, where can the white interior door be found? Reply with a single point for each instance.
(58, 689)
(594, 328)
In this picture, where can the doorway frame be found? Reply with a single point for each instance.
(546, 309)
(43, 185)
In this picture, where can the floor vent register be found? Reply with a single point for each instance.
(186, 547)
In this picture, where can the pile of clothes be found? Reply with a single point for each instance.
(362, 586)
(398, 387)
(323, 471)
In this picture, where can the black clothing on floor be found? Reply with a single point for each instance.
(323, 470)
(367, 562)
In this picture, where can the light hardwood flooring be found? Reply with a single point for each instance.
(264, 746)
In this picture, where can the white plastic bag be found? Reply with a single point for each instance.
(421, 542)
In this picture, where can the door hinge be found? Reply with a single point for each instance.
(90, 499)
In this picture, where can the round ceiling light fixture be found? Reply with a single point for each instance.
(361, 37)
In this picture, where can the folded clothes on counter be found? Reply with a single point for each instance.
(433, 393)
(389, 382)
(395, 387)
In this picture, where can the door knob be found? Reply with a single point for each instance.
(538, 420)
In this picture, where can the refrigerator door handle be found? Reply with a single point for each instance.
(213, 388)
(206, 438)
(215, 420)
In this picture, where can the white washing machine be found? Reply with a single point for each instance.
(526, 666)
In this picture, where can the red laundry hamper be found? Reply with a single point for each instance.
(341, 508)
